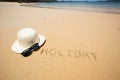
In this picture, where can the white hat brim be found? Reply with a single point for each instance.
(16, 47)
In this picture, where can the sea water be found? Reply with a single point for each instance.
(108, 7)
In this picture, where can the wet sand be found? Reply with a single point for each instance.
(79, 45)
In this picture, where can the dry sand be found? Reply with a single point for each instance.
(79, 45)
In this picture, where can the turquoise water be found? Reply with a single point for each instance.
(109, 7)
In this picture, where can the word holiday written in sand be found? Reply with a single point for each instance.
(68, 53)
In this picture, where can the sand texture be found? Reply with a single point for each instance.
(79, 45)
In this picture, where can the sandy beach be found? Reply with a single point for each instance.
(79, 45)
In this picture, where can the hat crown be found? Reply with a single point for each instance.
(27, 37)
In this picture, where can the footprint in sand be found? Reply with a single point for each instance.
(118, 28)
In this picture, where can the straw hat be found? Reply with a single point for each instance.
(26, 38)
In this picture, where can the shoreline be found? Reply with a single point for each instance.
(86, 9)
(83, 9)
